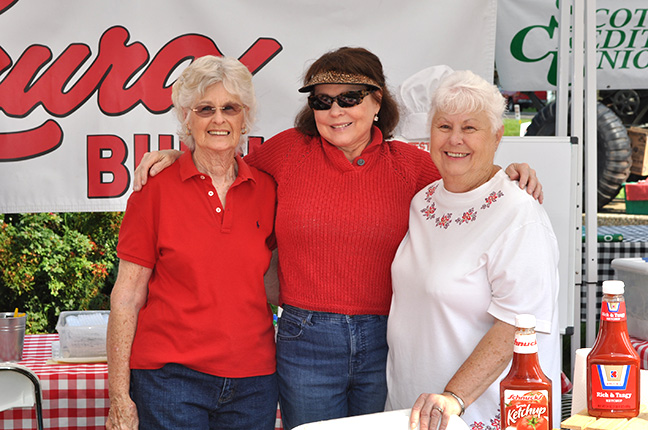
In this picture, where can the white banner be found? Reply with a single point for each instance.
(527, 41)
(85, 85)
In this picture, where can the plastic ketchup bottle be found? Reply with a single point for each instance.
(613, 364)
(525, 393)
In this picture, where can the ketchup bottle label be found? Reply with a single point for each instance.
(613, 386)
(526, 410)
(613, 311)
(525, 344)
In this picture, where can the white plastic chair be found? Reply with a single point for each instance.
(20, 389)
(392, 420)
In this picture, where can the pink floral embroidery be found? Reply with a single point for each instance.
(492, 198)
(467, 217)
(430, 192)
(444, 221)
(428, 211)
(494, 423)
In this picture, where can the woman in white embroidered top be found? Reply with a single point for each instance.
(478, 252)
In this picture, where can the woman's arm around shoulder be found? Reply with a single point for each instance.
(427, 172)
(153, 163)
(526, 178)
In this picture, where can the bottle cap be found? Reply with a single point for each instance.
(525, 321)
(613, 287)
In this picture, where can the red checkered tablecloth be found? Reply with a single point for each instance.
(75, 396)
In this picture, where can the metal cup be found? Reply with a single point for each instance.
(12, 336)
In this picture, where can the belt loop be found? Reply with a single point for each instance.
(309, 318)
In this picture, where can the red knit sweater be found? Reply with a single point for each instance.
(339, 223)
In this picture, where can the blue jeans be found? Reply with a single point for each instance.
(330, 365)
(176, 397)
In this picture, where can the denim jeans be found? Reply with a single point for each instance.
(330, 365)
(176, 397)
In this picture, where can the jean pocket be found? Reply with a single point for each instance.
(290, 327)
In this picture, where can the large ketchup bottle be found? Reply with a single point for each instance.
(613, 364)
(525, 393)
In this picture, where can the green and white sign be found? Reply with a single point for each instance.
(527, 44)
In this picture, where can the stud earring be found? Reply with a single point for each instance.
(243, 130)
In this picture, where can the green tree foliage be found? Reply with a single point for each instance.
(53, 262)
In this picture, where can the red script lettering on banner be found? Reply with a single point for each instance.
(25, 88)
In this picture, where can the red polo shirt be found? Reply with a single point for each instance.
(206, 305)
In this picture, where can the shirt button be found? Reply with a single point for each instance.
(211, 193)
(361, 162)
(202, 177)
(218, 210)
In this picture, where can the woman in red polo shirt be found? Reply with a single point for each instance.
(190, 336)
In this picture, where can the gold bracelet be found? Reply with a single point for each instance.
(459, 400)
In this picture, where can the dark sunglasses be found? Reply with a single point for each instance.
(344, 100)
(206, 111)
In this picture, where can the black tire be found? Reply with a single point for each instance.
(614, 149)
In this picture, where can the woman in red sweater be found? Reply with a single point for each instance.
(343, 195)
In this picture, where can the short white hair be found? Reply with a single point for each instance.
(204, 72)
(465, 92)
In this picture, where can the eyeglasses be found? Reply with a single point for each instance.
(344, 100)
(206, 111)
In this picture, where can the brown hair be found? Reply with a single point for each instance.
(355, 61)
